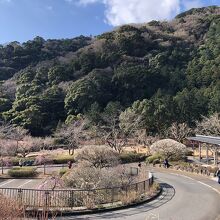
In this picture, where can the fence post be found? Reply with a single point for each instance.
(113, 195)
(71, 199)
(20, 196)
(47, 199)
(126, 191)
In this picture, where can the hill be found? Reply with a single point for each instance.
(169, 69)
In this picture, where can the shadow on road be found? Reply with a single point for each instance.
(168, 192)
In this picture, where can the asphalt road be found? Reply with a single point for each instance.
(21, 183)
(28, 183)
(182, 199)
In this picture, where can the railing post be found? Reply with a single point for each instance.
(46, 199)
(113, 191)
(20, 196)
(71, 199)
(126, 191)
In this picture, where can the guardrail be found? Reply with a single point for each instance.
(71, 198)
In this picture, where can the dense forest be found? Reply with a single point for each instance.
(165, 71)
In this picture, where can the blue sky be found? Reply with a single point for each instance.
(22, 20)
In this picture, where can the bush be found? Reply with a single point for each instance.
(132, 157)
(98, 156)
(155, 187)
(189, 153)
(15, 160)
(10, 209)
(213, 170)
(156, 161)
(168, 147)
(63, 159)
(22, 172)
(154, 158)
(62, 171)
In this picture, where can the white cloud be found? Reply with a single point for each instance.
(120, 12)
(137, 11)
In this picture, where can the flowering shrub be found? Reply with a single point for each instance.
(169, 149)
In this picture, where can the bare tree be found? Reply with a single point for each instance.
(130, 122)
(98, 156)
(26, 146)
(48, 143)
(111, 132)
(8, 147)
(209, 125)
(85, 177)
(115, 137)
(43, 143)
(9, 88)
(5, 162)
(72, 133)
(179, 132)
(9, 131)
(43, 160)
(51, 183)
(143, 138)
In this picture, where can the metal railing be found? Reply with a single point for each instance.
(70, 198)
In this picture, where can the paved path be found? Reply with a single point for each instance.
(28, 183)
(21, 183)
(182, 199)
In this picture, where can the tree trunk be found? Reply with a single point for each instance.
(44, 168)
(72, 152)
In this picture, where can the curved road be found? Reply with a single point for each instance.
(182, 199)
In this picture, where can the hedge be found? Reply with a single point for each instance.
(15, 160)
(132, 157)
(154, 159)
(22, 172)
(63, 159)
(63, 171)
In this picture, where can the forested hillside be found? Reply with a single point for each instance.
(165, 71)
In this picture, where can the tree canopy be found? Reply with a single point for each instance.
(164, 71)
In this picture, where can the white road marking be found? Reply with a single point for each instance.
(7, 182)
(24, 183)
(209, 186)
(182, 176)
(197, 181)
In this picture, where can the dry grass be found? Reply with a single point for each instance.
(129, 197)
(89, 203)
(9, 209)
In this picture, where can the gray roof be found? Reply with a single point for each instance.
(206, 139)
